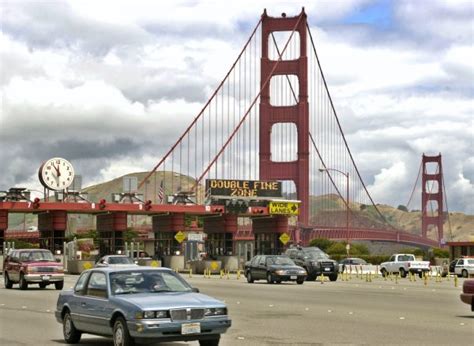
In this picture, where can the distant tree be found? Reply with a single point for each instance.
(402, 208)
(363, 207)
(337, 249)
(359, 249)
(322, 243)
(440, 253)
(130, 235)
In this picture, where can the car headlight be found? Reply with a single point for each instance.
(215, 311)
(59, 268)
(151, 314)
(303, 272)
(280, 272)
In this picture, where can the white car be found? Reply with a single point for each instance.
(464, 267)
(115, 261)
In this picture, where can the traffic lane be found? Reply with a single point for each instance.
(287, 313)
(343, 312)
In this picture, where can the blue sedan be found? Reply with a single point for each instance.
(142, 304)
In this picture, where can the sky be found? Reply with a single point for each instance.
(110, 85)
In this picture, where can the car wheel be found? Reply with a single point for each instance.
(59, 285)
(464, 273)
(23, 282)
(42, 285)
(269, 278)
(121, 335)
(7, 281)
(333, 277)
(403, 273)
(311, 277)
(420, 275)
(70, 333)
(300, 282)
(384, 273)
(249, 277)
(210, 342)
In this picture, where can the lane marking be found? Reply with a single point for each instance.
(351, 313)
(329, 310)
(240, 338)
(402, 318)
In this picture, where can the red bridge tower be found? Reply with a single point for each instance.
(434, 194)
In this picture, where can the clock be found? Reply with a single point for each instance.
(56, 174)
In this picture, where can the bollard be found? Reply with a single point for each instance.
(366, 277)
(228, 277)
(222, 273)
(425, 278)
(370, 277)
(190, 273)
(321, 278)
(455, 280)
(238, 274)
(396, 279)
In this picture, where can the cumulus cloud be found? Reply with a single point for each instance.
(112, 88)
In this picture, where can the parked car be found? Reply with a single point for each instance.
(354, 261)
(274, 268)
(448, 268)
(142, 304)
(27, 266)
(467, 295)
(115, 260)
(314, 261)
(404, 264)
(463, 267)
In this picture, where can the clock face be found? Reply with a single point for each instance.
(56, 174)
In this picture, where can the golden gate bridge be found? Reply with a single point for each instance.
(271, 118)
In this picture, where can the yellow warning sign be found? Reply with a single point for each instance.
(154, 264)
(284, 208)
(214, 265)
(87, 265)
(284, 238)
(180, 236)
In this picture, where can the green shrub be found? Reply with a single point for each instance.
(337, 249)
(321, 243)
(440, 253)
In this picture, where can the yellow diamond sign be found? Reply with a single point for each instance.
(180, 236)
(154, 264)
(284, 208)
(214, 265)
(284, 238)
(87, 265)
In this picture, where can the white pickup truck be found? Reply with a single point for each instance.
(404, 264)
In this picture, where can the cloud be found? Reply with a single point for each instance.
(112, 88)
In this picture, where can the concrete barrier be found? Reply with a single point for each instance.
(78, 266)
(174, 262)
(229, 263)
(198, 267)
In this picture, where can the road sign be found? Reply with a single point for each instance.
(180, 236)
(284, 208)
(195, 237)
(154, 264)
(214, 265)
(284, 238)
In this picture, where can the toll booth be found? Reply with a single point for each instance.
(110, 228)
(268, 233)
(52, 226)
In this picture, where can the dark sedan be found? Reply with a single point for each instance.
(274, 268)
(142, 304)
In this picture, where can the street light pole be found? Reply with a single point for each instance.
(348, 246)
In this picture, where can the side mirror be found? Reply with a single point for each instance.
(195, 290)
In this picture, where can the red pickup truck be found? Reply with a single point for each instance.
(26, 266)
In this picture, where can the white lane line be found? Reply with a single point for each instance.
(23, 307)
(306, 309)
(329, 310)
(351, 313)
(271, 305)
(240, 338)
(402, 318)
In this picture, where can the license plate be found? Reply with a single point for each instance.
(327, 269)
(45, 277)
(190, 328)
(293, 277)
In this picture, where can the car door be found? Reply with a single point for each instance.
(262, 268)
(14, 266)
(78, 313)
(254, 266)
(459, 267)
(95, 306)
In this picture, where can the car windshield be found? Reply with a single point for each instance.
(280, 260)
(120, 260)
(147, 281)
(37, 256)
(316, 254)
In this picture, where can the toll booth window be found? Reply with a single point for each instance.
(165, 244)
(220, 244)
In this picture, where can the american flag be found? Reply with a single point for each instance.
(161, 193)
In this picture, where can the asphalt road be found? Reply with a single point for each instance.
(342, 312)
